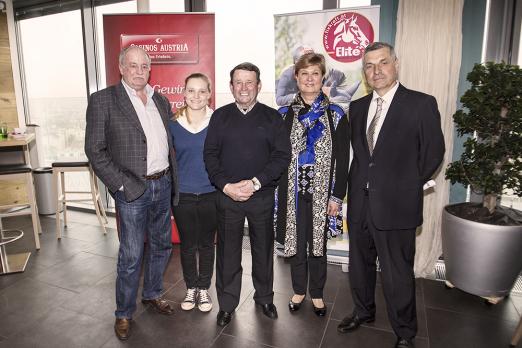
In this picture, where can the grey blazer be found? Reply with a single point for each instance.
(115, 143)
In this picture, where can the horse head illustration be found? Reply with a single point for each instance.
(349, 31)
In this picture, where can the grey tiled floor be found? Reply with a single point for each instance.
(65, 298)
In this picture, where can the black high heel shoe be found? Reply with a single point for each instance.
(320, 312)
(294, 306)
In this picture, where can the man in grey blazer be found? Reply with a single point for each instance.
(129, 147)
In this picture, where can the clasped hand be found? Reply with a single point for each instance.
(333, 208)
(239, 191)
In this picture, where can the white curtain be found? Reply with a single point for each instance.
(428, 44)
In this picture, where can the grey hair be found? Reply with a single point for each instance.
(299, 51)
(378, 45)
(124, 52)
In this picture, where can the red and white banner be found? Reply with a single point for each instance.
(178, 44)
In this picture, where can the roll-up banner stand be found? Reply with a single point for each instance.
(341, 35)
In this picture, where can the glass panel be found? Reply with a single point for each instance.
(54, 68)
(118, 8)
(162, 6)
(520, 45)
(245, 32)
(354, 3)
(509, 199)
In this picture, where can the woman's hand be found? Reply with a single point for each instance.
(333, 208)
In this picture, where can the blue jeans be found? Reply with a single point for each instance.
(148, 215)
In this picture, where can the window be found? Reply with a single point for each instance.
(509, 199)
(54, 68)
(118, 8)
(245, 32)
(162, 6)
(354, 3)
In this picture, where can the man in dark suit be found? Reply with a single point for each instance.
(130, 150)
(397, 146)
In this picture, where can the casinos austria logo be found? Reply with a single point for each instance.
(166, 48)
(346, 36)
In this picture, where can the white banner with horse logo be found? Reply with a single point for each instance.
(341, 35)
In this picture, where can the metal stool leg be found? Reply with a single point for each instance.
(64, 199)
(95, 197)
(99, 200)
(34, 209)
(3, 255)
(57, 193)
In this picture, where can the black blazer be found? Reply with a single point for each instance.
(409, 149)
(115, 143)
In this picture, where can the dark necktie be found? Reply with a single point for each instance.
(371, 129)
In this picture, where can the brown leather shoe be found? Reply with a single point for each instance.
(122, 328)
(160, 305)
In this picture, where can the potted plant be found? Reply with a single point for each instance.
(482, 243)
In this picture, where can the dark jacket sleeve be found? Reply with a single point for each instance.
(279, 154)
(342, 157)
(431, 141)
(96, 142)
(212, 151)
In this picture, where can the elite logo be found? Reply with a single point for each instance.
(346, 36)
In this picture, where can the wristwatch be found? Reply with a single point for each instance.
(257, 184)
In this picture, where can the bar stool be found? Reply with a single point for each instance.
(11, 263)
(59, 170)
(22, 172)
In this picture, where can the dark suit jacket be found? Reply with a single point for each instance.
(409, 149)
(116, 144)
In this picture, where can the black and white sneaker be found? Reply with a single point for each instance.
(204, 301)
(190, 299)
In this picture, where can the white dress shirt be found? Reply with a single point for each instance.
(387, 99)
(150, 120)
(246, 111)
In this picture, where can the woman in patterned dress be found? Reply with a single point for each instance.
(311, 192)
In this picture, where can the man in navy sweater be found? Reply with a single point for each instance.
(246, 150)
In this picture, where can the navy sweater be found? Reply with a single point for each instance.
(192, 176)
(240, 147)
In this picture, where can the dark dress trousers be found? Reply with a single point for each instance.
(385, 199)
(240, 147)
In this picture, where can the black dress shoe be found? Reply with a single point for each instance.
(352, 323)
(223, 318)
(404, 343)
(294, 306)
(320, 312)
(269, 310)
